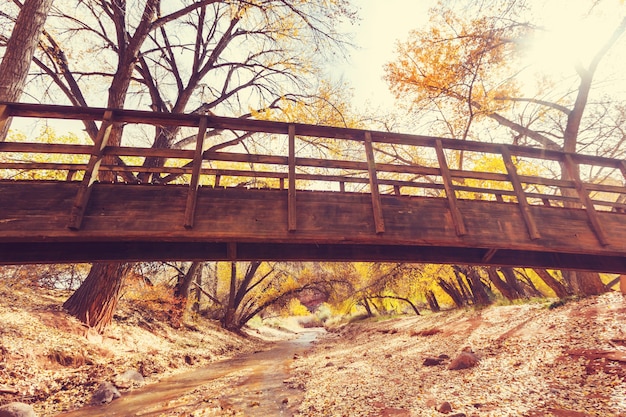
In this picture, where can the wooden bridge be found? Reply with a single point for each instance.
(287, 191)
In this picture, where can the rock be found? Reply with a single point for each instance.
(463, 361)
(105, 393)
(285, 400)
(430, 361)
(445, 408)
(17, 410)
(128, 379)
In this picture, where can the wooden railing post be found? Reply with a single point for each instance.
(531, 226)
(583, 194)
(194, 182)
(379, 221)
(91, 172)
(4, 117)
(622, 167)
(457, 218)
(291, 193)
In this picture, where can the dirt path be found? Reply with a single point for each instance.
(250, 385)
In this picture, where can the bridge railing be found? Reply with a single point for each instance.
(385, 163)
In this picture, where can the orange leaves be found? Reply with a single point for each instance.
(458, 59)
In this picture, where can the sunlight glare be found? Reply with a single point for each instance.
(571, 35)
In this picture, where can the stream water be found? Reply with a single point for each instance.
(259, 388)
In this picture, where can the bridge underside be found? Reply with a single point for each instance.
(242, 224)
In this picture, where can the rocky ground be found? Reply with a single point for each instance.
(50, 360)
(529, 360)
(568, 361)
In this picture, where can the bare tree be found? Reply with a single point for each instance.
(19, 52)
(206, 54)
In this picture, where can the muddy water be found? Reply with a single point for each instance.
(256, 387)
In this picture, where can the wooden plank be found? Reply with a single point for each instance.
(379, 221)
(291, 193)
(457, 218)
(622, 167)
(91, 173)
(522, 203)
(583, 193)
(192, 195)
(489, 255)
(249, 125)
(4, 117)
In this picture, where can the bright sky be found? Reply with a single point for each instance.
(382, 24)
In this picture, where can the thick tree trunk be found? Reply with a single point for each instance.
(514, 283)
(453, 292)
(19, 52)
(502, 286)
(368, 308)
(94, 302)
(181, 290)
(481, 298)
(588, 283)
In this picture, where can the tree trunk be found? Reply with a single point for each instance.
(95, 300)
(463, 288)
(502, 286)
(368, 308)
(481, 298)
(229, 315)
(181, 290)
(530, 289)
(588, 283)
(453, 292)
(181, 293)
(511, 279)
(432, 301)
(19, 52)
(196, 304)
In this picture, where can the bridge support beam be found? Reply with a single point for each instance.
(192, 195)
(583, 194)
(291, 193)
(531, 226)
(91, 172)
(457, 218)
(377, 206)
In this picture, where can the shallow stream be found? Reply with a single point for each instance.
(258, 387)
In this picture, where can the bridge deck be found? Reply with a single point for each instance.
(302, 192)
(239, 223)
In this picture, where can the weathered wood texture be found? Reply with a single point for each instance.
(149, 226)
(409, 212)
